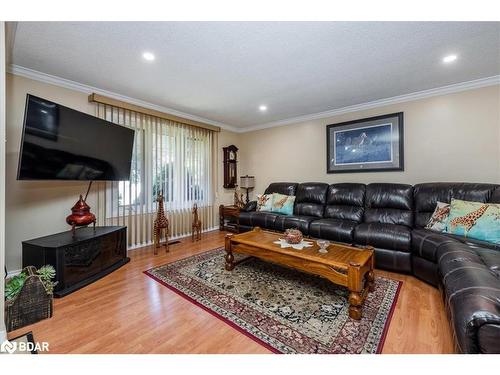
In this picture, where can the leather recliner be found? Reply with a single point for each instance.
(343, 212)
(387, 225)
(392, 218)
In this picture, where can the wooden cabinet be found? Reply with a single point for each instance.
(81, 259)
(232, 213)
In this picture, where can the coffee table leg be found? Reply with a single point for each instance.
(370, 281)
(355, 302)
(229, 266)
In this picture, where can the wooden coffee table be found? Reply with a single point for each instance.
(343, 265)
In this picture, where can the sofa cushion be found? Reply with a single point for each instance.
(383, 236)
(473, 243)
(258, 219)
(345, 201)
(389, 204)
(301, 223)
(310, 199)
(425, 243)
(285, 188)
(333, 229)
(427, 195)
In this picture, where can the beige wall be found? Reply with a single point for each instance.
(453, 137)
(38, 208)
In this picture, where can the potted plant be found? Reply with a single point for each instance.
(28, 296)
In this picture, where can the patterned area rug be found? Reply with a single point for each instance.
(285, 310)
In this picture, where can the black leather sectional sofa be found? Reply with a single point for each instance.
(392, 218)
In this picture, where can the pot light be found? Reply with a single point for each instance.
(148, 56)
(450, 58)
(262, 108)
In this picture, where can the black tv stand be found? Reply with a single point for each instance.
(81, 259)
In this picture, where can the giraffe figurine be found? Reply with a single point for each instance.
(196, 234)
(160, 225)
(469, 220)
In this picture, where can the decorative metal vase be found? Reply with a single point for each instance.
(80, 215)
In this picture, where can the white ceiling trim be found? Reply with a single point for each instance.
(449, 89)
(72, 85)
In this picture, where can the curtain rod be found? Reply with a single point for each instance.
(96, 98)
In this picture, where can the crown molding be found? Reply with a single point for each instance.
(72, 85)
(76, 86)
(449, 89)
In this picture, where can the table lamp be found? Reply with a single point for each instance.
(247, 182)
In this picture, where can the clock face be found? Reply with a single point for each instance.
(232, 156)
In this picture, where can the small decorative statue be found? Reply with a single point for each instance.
(238, 200)
(160, 225)
(196, 234)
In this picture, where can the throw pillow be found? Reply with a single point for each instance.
(439, 218)
(475, 220)
(283, 204)
(264, 202)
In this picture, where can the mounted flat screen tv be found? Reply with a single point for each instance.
(60, 143)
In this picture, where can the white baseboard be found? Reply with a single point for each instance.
(140, 246)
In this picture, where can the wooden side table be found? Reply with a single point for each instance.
(229, 212)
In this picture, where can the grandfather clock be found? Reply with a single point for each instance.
(230, 160)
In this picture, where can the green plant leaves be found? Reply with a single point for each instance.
(14, 285)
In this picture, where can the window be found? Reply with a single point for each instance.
(171, 158)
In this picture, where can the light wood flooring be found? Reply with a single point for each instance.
(128, 312)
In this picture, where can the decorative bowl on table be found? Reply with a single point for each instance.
(323, 246)
(293, 236)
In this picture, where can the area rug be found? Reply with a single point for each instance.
(285, 310)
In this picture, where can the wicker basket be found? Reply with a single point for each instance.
(31, 305)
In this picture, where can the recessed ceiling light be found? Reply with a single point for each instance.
(148, 56)
(262, 108)
(449, 58)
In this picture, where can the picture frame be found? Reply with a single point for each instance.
(373, 144)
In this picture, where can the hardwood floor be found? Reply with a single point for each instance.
(128, 312)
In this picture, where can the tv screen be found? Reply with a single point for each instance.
(60, 143)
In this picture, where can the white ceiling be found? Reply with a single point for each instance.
(222, 71)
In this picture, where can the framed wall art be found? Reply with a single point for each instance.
(374, 144)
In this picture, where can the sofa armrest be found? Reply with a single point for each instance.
(250, 206)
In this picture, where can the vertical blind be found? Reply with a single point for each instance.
(168, 157)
